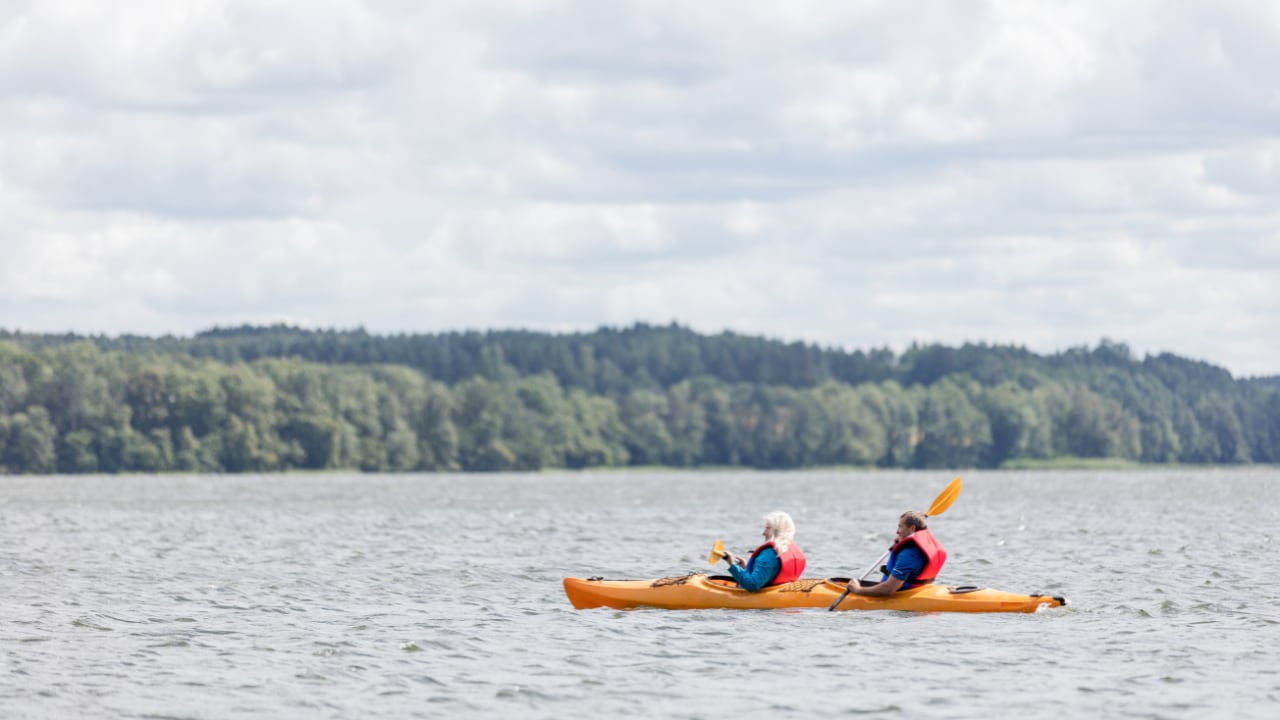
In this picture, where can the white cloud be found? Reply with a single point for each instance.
(856, 175)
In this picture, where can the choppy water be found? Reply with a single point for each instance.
(439, 596)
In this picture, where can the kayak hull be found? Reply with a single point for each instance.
(699, 591)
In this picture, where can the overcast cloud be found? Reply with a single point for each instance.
(859, 174)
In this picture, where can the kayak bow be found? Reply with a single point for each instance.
(700, 591)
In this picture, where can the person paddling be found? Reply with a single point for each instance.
(778, 561)
(914, 559)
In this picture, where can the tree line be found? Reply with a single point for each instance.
(278, 398)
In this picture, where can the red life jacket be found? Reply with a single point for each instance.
(792, 562)
(935, 556)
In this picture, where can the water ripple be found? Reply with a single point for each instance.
(336, 596)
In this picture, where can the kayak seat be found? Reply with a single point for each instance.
(801, 585)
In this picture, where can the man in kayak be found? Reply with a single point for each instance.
(914, 559)
(779, 560)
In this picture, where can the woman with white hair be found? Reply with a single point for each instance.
(778, 561)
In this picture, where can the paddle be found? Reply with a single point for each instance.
(717, 552)
(939, 506)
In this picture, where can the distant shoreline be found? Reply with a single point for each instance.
(247, 400)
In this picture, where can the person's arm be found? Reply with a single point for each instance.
(763, 570)
(888, 587)
(907, 565)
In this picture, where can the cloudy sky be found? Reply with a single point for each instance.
(855, 174)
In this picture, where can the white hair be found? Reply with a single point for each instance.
(781, 529)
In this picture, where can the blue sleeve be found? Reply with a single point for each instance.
(908, 564)
(764, 568)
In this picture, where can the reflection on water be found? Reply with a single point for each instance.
(430, 596)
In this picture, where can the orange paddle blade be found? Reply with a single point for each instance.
(717, 552)
(945, 498)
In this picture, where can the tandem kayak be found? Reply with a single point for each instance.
(701, 591)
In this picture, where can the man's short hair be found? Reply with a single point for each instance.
(915, 520)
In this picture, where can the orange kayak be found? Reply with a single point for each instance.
(700, 591)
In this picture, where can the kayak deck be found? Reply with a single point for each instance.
(701, 591)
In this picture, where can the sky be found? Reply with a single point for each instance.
(857, 175)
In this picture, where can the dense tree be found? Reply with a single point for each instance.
(1094, 426)
(29, 442)
(953, 431)
(851, 432)
(687, 419)
(1021, 425)
(648, 440)
(15, 366)
(894, 410)
(278, 398)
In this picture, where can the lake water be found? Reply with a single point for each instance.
(345, 596)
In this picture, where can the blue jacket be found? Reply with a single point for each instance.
(905, 565)
(761, 569)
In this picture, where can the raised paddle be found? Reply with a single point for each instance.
(939, 506)
(717, 552)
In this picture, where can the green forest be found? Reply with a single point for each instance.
(268, 399)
